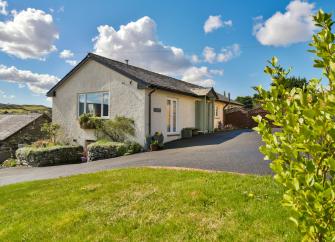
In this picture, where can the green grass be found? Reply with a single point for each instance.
(145, 205)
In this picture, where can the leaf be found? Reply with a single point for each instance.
(295, 183)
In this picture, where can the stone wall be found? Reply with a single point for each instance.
(27, 135)
(49, 156)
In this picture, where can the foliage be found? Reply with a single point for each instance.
(118, 129)
(303, 149)
(157, 139)
(104, 149)
(9, 163)
(247, 101)
(51, 130)
(43, 144)
(47, 156)
(89, 121)
(292, 82)
(145, 204)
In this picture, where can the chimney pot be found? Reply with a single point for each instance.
(127, 61)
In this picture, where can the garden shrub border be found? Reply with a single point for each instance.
(107, 149)
(49, 156)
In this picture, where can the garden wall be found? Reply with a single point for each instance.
(49, 156)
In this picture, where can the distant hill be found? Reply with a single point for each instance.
(21, 109)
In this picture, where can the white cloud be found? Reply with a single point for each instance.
(229, 53)
(195, 59)
(199, 76)
(6, 96)
(66, 54)
(137, 41)
(283, 29)
(215, 22)
(30, 34)
(3, 7)
(218, 72)
(209, 54)
(226, 53)
(71, 62)
(38, 83)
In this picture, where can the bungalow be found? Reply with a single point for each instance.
(157, 103)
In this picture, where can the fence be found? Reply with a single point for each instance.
(242, 118)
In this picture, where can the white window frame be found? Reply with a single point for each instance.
(85, 103)
(171, 116)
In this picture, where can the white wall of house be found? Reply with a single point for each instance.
(125, 100)
(185, 113)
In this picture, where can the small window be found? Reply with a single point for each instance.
(94, 103)
(216, 111)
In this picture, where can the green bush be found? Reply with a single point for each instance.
(89, 121)
(118, 129)
(48, 156)
(9, 163)
(104, 149)
(302, 150)
(51, 130)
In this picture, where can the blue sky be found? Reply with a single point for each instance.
(240, 37)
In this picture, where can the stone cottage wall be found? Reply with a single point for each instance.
(27, 135)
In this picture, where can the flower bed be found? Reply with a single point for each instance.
(48, 156)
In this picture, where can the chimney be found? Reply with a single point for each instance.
(127, 61)
(224, 93)
(229, 96)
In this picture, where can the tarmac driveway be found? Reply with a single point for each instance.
(234, 151)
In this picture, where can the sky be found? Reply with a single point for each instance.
(219, 43)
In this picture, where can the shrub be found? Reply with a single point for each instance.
(51, 130)
(48, 156)
(104, 149)
(133, 147)
(42, 144)
(9, 163)
(118, 129)
(89, 121)
(302, 150)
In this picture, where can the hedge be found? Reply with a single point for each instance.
(49, 156)
(107, 149)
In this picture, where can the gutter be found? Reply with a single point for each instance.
(149, 95)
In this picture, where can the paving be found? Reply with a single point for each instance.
(233, 151)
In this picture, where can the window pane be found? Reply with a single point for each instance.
(174, 120)
(93, 103)
(105, 107)
(81, 104)
(168, 115)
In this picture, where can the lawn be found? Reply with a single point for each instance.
(144, 204)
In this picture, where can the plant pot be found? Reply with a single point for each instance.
(154, 147)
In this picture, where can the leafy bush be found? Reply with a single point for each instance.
(303, 149)
(47, 156)
(104, 149)
(51, 130)
(10, 163)
(89, 121)
(118, 129)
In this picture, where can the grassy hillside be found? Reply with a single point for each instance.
(21, 109)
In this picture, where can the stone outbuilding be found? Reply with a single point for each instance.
(18, 129)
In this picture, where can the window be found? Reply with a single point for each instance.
(171, 115)
(96, 103)
(216, 111)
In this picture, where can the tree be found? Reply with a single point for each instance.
(247, 101)
(291, 82)
(303, 149)
(51, 130)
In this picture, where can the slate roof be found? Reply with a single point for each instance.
(145, 78)
(226, 99)
(12, 123)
